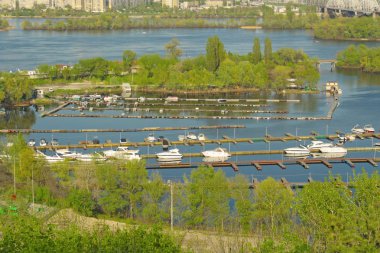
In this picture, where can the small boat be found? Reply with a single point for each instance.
(43, 142)
(316, 145)
(150, 138)
(218, 152)
(377, 144)
(334, 150)
(181, 137)
(31, 143)
(171, 155)
(201, 137)
(123, 141)
(222, 100)
(54, 142)
(191, 136)
(51, 159)
(91, 157)
(165, 144)
(369, 128)
(357, 130)
(66, 153)
(297, 151)
(171, 99)
(122, 153)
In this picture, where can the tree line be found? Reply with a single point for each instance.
(322, 217)
(348, 28)
(359, 57)
(116, 21)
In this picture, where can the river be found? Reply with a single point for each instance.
(358, 105)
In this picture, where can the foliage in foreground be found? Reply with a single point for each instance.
(322, 217)
(26, 234)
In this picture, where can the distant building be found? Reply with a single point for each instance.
(189, 5)
(170, 3)
(10, 4)
(214, 3)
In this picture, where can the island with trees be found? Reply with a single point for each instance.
(363, 28)
(360, 57)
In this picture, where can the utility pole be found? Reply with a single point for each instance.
(171, 204)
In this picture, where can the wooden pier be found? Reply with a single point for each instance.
(258, 164)
(56, 109)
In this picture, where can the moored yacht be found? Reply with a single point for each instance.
(48, 158)
(31, 143)
(66, 153)
(150, 138)
(171, 155)
(369, 128)
(122, 153)
(316, 145)
(218, 152)
(357, 130)
(91, 157)
(297, 151)
(43, 142)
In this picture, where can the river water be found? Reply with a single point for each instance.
(358, 105)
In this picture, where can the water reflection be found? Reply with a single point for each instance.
(214, 159)
(18, 118)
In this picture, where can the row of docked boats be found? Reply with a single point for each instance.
(357, 129)
(317, 149)
(173, 155)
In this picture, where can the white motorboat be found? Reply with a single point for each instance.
(150, 138)
(181, 137)
(122, 153)
(218, 152)
(377, 144)
(327, 155)
(66, 153)
(191, 136)
(201, 137)
(31, 143)
(335, 150)
(43, 142)
(91, 157)
(369, 128)
(357, 130)
(51, 159)
(171, 155)
(316, 145)
(297, 151)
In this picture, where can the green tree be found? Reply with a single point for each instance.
(208, 197)
(81, 201)
(243, 198)
(272, 202)
(268, 50)
(154, 203)
(172, 49)
(215, 53)
(129, 58)
(256, 52)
